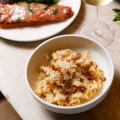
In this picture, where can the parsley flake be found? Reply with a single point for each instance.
(3, 6)
(29, 8)
(55, 12)
(17, 20)
(45, 7)
(18, 3)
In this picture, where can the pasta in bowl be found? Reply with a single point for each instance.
(69, 79)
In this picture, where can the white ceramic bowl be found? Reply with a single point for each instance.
(77, 43)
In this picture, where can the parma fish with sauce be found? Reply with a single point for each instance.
(23, 14)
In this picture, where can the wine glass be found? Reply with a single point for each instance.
(98, 30)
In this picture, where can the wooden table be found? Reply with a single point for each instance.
(13, 56)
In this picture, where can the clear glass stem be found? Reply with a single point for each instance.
(97, 32)
(97, 29)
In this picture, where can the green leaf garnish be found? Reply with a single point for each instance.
(23, 1)
(17, 20)
(116, 10)
(45, 7)
(55, 12)
(29, 8)
(3, 6)
(36, 1)
(117, 16)
(18, 3)
(45, 1)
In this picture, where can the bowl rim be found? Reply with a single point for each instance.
(69, 107)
